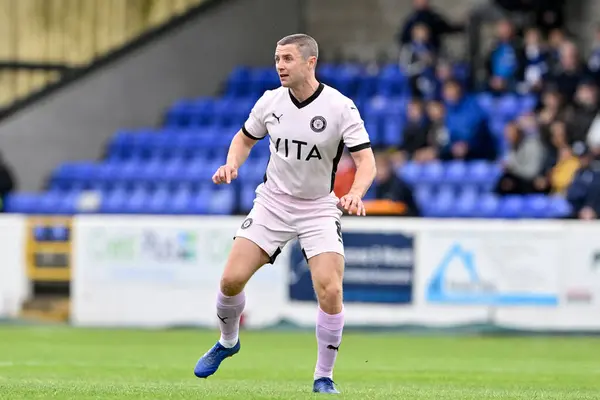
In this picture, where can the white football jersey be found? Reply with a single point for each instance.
(306, 138)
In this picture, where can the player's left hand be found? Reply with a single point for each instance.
(353, 204)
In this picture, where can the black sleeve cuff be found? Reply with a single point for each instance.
(359, 147)
(249, 134)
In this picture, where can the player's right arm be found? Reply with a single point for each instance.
(253, 130)
(239, 150)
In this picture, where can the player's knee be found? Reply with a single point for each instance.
(330, 297)
(232, 284)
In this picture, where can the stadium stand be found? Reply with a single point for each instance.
(168, 170)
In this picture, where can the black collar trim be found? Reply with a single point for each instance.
(306, 102)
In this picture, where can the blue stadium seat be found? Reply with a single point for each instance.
(456, 172)
(114, 202)
(536, 206)
(180, 202)
(21, 202)
(393, 132)
(487, 206)
(222, 201)
(238, 82)
(247, 195)
(511, 207)
(559, 207)
(432, 172)
(442, 205)
(392, 81)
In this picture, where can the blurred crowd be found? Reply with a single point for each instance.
(534, 111)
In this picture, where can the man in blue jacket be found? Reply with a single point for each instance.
(465, 122)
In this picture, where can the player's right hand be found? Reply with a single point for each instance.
(225, 174)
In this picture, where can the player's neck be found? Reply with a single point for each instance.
(305, 90)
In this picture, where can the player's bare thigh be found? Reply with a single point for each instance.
(245, 258)
(327, 271)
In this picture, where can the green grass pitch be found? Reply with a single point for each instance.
(68, 363)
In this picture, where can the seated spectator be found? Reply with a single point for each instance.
(556, 39)
(415, 139)
(584, 191)
(424, 14)
(536, 60)
(506, 58)
(582, 112)
(431, 86)
(560, 164)
(417, 59)
(569, 73)
(523, 163)
(551, 111)
(465, 122)
(438, 135)
(389, 186)
(563, 172)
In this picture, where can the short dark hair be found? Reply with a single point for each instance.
(306, 44)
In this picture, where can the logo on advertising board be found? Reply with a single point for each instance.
(460, 278)
(148, 245)
(582, 293)
(379, 269)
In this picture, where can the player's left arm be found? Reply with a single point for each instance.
(357, 140)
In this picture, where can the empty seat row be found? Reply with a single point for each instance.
(452, 172)
(221, 201)
(491, 206)
(175, 170)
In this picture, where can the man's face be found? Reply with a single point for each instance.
(292, 68)
(504, 30)
(451, 93)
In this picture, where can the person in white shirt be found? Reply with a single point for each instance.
(308, 124)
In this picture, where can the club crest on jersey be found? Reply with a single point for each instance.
(246, 224)
(318, 124)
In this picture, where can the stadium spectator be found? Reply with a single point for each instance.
(584, 192)
(563, 171)
(570, 71)
(582, 112)
(430, 85)
(537, 60)
(523, 164)
(464, 120)
(556, 39)
(506, 60)
(552, 110)
(437, 134)
(415, 139)
(560, 164)
(423, 13)
(418, 58)
(389, 186)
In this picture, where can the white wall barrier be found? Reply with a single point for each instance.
(14, 287)
(164, 271)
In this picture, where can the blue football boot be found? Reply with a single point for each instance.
(209, 362)
(324, 385)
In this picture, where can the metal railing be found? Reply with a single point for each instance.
(42, 40)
